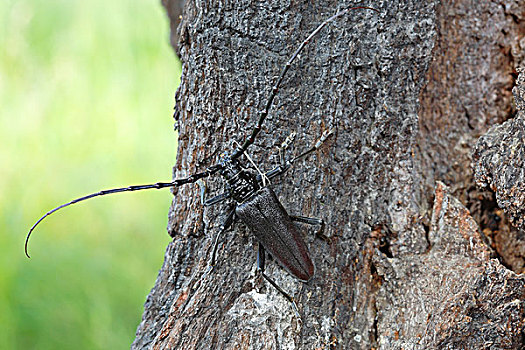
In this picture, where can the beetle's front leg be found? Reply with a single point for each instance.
(230, 220)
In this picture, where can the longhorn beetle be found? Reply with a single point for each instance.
(255, 202)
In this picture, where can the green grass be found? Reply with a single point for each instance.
(86, 97)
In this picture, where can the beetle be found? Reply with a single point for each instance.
(256, 204)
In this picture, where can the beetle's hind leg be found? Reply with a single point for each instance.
(261, 257)
(312, 221)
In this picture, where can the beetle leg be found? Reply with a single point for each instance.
(230, 219)
(261, 257)
(312, 221)
(307, 220)
(278, 170)
(219, 198)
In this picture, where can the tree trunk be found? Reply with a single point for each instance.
(405, 265)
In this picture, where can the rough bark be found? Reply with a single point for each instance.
(499, 160)
(499, 165)
(478, 47)
(408, 92)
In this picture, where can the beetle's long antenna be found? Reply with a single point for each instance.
(316, 146)
(275, 88)
(175, 183)
(238, 152)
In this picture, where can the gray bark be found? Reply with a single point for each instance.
(408, 91)
(499, 160)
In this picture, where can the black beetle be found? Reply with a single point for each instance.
(255, 202)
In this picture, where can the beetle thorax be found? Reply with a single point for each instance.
(242, 182)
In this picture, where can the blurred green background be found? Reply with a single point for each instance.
(86, 102)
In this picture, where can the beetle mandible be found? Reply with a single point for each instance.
(255, 202)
